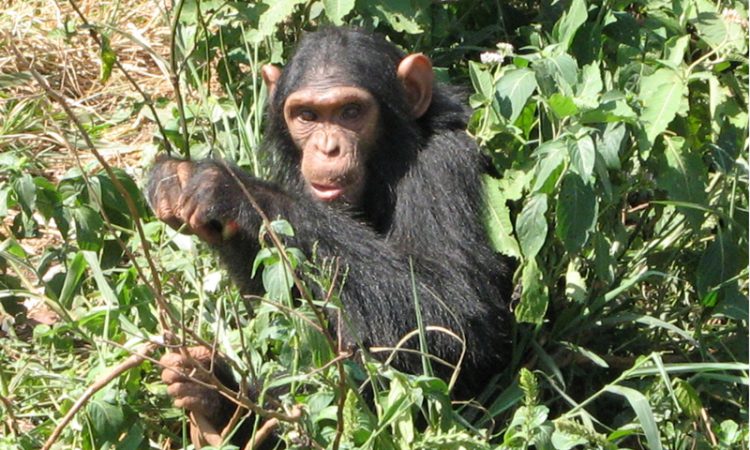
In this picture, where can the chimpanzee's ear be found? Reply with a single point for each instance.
(271, 75)
(415, 72)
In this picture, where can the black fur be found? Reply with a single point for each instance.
(423, 203)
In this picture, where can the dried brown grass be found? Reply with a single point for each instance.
(51, 35)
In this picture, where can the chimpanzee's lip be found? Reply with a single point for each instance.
(327, 192)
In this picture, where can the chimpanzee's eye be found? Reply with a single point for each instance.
(351, 111)
(307, 115)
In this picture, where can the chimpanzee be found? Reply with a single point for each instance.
(372, 165)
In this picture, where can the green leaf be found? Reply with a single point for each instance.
(548, 168)
(107, 419)
(722, 260)
(89, 224)
(576, 212)
(562, 106)
(565, 28)
(534, 297)
(643, 411)
(681, 173)
(76, 269)
(610, 143)
(108, 58)
(513, 91)
(25, 193)
(277, 281)
(481, 79)
(716, 31)
(582, 156)
(531, 225)
(661, 94)
(277, 12)
(337, 9)
(687, 398)
(497, 219)
(675, 48)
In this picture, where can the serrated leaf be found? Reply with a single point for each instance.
(277, 281)
(513, 91)
(337, 9)
(675, 48)
(25, 193)
(497, 219)
(576, 212)
(661, 94)
(534, 297)
(531, 225)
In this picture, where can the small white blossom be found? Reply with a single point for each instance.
(732, 16)
(504, 49)
(491, 58)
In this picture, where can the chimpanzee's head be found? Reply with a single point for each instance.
(342, 91)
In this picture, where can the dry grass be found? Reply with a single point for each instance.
(53, 36)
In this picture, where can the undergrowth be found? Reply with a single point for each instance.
(618, 131)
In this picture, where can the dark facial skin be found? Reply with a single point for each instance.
(335, 128)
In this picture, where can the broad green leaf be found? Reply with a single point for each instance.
(88, 225)
(681, 173)
(25, 193)
(337, 9)
(403, 16)
(565, 28)
(562, 106)
(575, 284)
(513, 91)
(588, 89)
(558, 73)
(661, 94)
(76, 269)
(576, 212)
(497, 219)
(481, 79)
(608, 145)
(107, 419)
(722, 260)
(277, 280)
(687, 398)
(531, 225)
(582, 156)
(534, 297)
(675, 49)
(716, 31)
(277, 12)
(548, 168)
(643, 411)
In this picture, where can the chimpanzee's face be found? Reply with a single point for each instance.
(335, 128)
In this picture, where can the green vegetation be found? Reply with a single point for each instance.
(619, 130)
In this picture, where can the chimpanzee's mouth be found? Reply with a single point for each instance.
(327, 192)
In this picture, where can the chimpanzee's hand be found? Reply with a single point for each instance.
(186, 393)
(198, 198)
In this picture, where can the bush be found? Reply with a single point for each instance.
(618, 131)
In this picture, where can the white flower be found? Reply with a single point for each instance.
(504, 49)
(491, 58)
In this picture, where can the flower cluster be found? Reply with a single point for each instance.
(496, 57)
